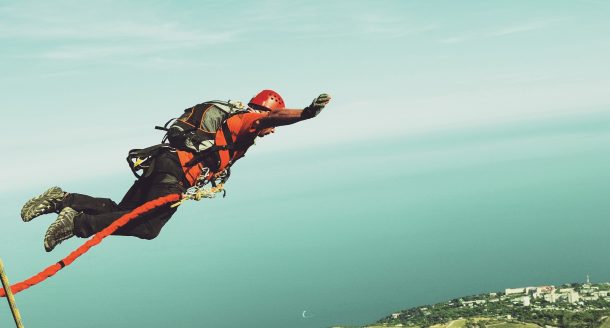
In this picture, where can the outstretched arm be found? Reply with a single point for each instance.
(290, 116)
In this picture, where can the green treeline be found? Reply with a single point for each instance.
(499, 308)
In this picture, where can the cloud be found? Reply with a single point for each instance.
(122, 49)
(306, 20)
(388, 26)
(603, 3)
(56, 34)
(500, 32)
(166, 63)
(117, 31)
(455, 39)
(94, 51)
(519, 78)
(397, 30)
(521, 28)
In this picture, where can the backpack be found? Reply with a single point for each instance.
(196, 129)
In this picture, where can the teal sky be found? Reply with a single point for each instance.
(106, 72)
(464, 140)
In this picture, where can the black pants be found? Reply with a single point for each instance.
(98, 213)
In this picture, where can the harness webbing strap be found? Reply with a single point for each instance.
(229, 139)
(96, 239)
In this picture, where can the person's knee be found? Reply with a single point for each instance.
(80, 228)
(149, 233)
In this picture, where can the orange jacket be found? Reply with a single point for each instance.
(242, 135)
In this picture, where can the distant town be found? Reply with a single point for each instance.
(569, 305)
(586, 292)
(527, 296)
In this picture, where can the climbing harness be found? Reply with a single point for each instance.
(206, 186)
(197, 193)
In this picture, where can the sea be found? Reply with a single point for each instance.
(340, 234)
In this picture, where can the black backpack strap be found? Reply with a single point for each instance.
(165, 126)
(229, 139)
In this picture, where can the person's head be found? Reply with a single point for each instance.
(267, 100)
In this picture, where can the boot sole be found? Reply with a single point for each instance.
(50, 239)
(40, 205)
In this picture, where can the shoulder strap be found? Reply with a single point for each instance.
(229, 139)
(229, 103)
(165, 126)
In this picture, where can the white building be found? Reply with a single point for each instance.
(573, 297)
(509, 291)
(526, 301)
(551, 298)
(545, 289)
(590, 298)
(472, 303)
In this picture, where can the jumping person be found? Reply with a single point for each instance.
(187, 160)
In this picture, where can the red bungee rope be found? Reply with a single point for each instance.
(52, 269)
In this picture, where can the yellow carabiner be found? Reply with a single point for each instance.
(138, 162)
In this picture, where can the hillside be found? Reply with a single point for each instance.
(570, 305)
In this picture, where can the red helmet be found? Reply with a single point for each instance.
(267, 100)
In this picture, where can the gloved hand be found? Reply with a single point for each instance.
(316, 106)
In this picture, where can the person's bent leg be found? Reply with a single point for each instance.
(88, 204)
(55, 200)
(147, 226)
(162, 182)
(159, 185)
(97, 205)
(86, 225)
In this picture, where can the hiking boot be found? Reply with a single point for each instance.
(48, 202)
(61, 229)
